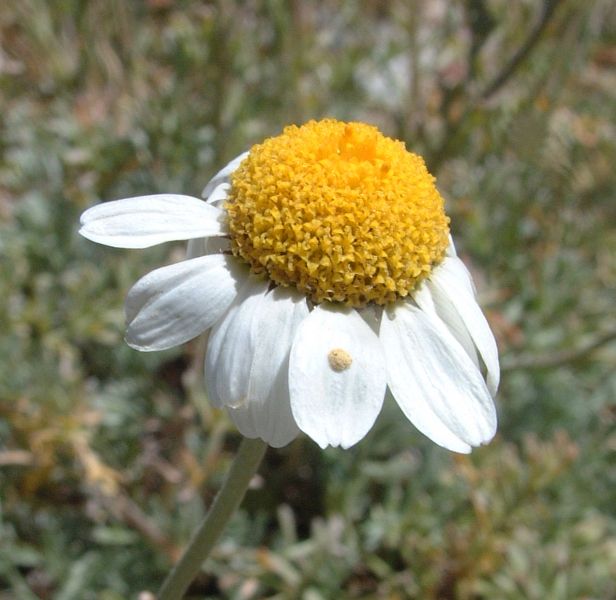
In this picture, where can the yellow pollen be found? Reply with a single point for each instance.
(339, 211)
(339, 360)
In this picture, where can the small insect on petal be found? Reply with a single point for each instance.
(339, 360)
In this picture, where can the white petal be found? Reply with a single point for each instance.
(195, 248)
(267, 411)
(272, 335)
(459, 272)
(223, 175)
(242, 418)
(433, 380)
(336, 407)
(272, 421)
(372, 315)
(434, 306)
(149, 220)
(228, 359)
(209, 245)
(174, 304)
(452, 298)
(451, 249)
(246, 363)
(219, 194)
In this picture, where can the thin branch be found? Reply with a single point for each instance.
(481, 23)
(129, 512)
(557, 359)
(519, 56)
(104, 483)
(22, 458)
(547, 11)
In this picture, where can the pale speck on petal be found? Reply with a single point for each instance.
(339, 359)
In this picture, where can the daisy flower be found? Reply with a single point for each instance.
(321, 264)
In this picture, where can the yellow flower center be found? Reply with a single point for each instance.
(339, 211)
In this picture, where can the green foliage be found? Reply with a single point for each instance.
(109, 458)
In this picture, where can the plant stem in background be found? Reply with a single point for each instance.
(227, 501)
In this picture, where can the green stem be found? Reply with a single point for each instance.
(227, 500)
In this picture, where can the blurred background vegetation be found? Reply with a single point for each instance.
(109, 457)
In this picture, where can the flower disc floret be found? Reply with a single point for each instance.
(339, 211)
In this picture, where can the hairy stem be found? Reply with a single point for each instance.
(227, 500)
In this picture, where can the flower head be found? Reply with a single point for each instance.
(338, 211)
(322, 263)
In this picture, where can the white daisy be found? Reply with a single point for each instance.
(322, 265)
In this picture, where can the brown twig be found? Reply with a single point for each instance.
(557, 359)
(511, 66)
(547, 11)
(104, 483)
(21, 458)
(129, 512)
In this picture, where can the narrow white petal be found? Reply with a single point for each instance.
(459, 309)
(228, 359)
(210, 245)
(435, 383)
(223, 175)
(219, 194)
(372, 315)
(242, 418)
(451, 249)
(195, 248)
(422, 414)
(247, 363)
(434, 306)
(336, 407)
(458, 271)
(279, 317)
(174, 304)
(422, 296)
(149, 220)
(268, 410)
